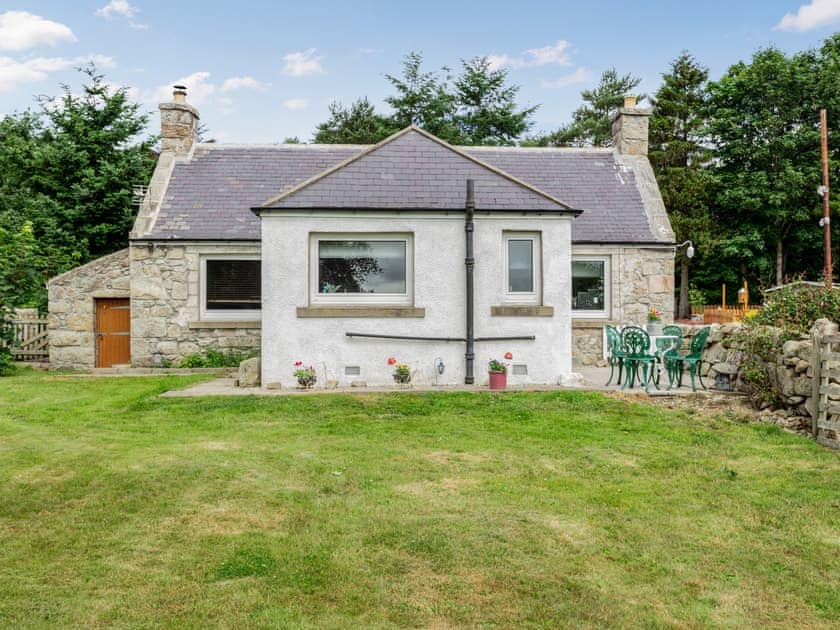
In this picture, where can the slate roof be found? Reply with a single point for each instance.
(210, 196)
(414, 170)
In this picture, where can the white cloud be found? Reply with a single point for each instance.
(14, 73)
(578, 76)
(295, 103)
(553, 54)
(117, 8)
(20, 30)
(139, 27)
(246, 82)
(302, 63)
(130, 91)
(809, 16)
(199, 89)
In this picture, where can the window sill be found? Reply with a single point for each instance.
(592, 322)
(521, 310)
(226, 323)
(360, 311)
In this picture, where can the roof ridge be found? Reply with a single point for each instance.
(372, 148)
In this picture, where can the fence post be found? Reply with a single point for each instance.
(816, 381)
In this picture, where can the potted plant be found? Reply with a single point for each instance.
(654, 322)
(497, 371)
(305, 375)
(402, 373)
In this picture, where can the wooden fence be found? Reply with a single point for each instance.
(716, 314)
(30, 341)
(826, 390)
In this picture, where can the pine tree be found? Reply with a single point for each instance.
(677, 155)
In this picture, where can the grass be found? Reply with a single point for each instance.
(453, 509)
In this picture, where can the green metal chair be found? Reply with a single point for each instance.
(615, 356)
(636, 344)
(664, 345)
(675, 361)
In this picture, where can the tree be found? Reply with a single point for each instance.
(763, 121)
(423, 99)
(66, 178)
(88, 164)
(591, 123)
(477, 108)
(677, 155)
(357, 124)
(486, 107)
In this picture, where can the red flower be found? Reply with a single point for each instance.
(298, 363)
(391, 360)
(508, 355)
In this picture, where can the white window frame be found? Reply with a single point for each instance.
(603, 313)
(223, 314)
(322, 299)
(522, 297)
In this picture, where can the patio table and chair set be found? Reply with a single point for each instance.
(639, 357)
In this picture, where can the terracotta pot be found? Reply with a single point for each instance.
(498, 380)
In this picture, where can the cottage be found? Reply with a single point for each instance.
(342, 256)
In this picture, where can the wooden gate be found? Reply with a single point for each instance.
(825, 413)
(30, 341)
(113, 331)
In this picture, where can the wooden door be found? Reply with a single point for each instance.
(113, 331)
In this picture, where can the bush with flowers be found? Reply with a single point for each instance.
(499, 366)
(305, 375)
(402, 373)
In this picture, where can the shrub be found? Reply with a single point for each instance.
(795, 308)
(215, 359)
(6, 339)
(760, 346)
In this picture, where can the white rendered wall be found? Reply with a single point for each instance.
(439, 280)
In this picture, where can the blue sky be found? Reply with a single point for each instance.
(262, 71)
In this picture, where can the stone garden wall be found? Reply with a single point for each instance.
(804, 376)
(71, 318)
(165, 296)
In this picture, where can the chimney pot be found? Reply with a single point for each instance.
(629, 101)
(180, 94)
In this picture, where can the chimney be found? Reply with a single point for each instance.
(178, 123)
(630, 128)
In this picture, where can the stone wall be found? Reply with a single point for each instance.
(790, 374)
(72, 311)
(166, 323)
(642, 278)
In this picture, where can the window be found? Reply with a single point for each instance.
(590, 286)
(522, 267)
(362, 268)
(230, 288)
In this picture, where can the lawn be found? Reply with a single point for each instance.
(437, 509)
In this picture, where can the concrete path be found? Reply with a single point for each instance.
(594, 380)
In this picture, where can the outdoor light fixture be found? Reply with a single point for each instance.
(690, 250)
(439, 366)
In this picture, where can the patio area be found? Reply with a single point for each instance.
(593, 379)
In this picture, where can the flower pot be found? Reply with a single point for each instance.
(306, 383)
(654, 328)
(402, 379)
(498, 380)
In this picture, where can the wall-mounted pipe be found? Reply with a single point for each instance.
(469, 262)
(447, 339)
